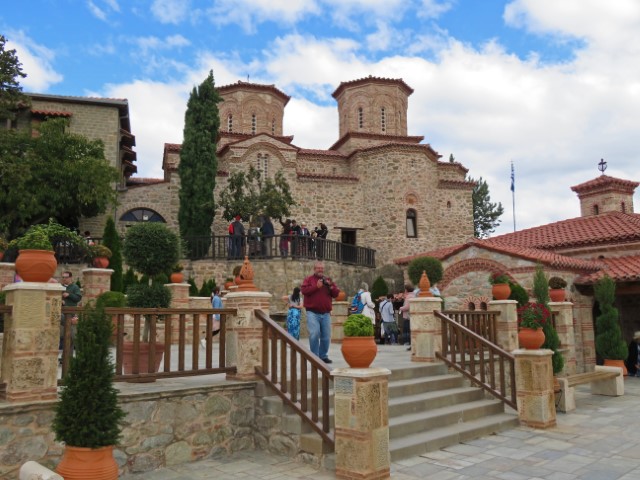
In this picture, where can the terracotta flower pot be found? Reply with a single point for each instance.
(100, 262)
(82, 463)
(501, 291)
(177, 277)
(127, 357)
(616, 363)
(557, 294)
(359, 352)
(36, 265)
(530, 338)
(342, 296)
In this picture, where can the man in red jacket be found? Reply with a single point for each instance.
(318, 292)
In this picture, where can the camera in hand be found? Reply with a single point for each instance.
(325, 281)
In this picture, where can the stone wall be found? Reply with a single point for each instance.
(162, 428)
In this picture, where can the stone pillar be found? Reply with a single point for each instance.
(507, 323)
(32, 333)
(339, 315)
(426, 330)
(7, 270)
(564, 327)
(95, 281)
(361, 407)
(244, 333)
(534, 388)
(179, 299)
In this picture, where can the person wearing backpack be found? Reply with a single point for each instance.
(388, 320)
(367, 304)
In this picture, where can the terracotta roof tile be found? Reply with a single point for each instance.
(323, 176)
(140, 181)
(323, 153)
(611, 227)
(240, 85)
(51, 113)
(172, 147)
(456, 184)
(376, 136)
(533, 254)
(370, 79)
(620, 269)
(603, 182)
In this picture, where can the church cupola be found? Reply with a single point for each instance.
(605, 194)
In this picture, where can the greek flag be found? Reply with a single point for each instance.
(513, 179)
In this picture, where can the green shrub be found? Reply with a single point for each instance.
(111, 299)
(207, 288)
(151, 248)
(129, 278)
(498, 277)
(551, 339)
(557, 283)
(148, 296)
(88, 414)
(193, 289)
(609, 342)
(431, 265)
(358, 325)
(379, 288)
(519, 294)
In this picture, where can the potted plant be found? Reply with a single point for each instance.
(358, 345)
(100, 255)
(176, 273)
(500, 286)
(532, 318)
(556, 289)
(609, 343)
(36, 261)
(152, 249)
(87, 417)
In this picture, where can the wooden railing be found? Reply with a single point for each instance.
(484, 323)
(297, 376)
(478, 359)
(177, 332)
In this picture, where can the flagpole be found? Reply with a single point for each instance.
(513, 195)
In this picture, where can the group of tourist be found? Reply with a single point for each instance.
(295, 238)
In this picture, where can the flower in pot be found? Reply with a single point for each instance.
(609, 343)
(36, 261)
(100, 255)
(88, 418)
(500, 286)
(358, 345)
(176, 273)
(532, 318)
(556, 289)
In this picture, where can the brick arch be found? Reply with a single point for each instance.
(261, 147)
(470, 265)
(480, 302)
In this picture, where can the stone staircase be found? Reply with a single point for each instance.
(429, 408)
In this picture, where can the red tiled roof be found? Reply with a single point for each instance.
(611, 227)
(393, 144)
(51, 113)
(172, 147)
(456, 184)
(370, 79)
(604, 182)
(533, 254)
(377, 136)
(240, 85)
(140, 181)
(323, 153)
(620, 269)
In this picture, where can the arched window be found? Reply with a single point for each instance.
(262, 165)
(273, 126)
(471, 307)
(142, 215)
(483, 306)
(230, 123)
(360, 118)
(623, 207)
(383, 120)
(253, 123)
(596, 210)
(412, 226)
(448, 204)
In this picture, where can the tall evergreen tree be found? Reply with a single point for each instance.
(198, 167)
(111, 239)
(551, 339)
(486, 215)
(11, 95)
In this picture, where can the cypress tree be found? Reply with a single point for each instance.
(198, 168)
(551, 339)
(609, 342)
(111, 239)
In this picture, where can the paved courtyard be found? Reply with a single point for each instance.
(599, 441)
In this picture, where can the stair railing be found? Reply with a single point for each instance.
(481, 361)
(285, 363)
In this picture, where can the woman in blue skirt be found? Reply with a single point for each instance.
(293, 315)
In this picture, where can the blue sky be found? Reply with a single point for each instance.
(553, 86)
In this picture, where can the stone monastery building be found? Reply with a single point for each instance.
(375, 187)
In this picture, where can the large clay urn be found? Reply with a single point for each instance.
(359, 352)
(36, 265)
(557, 294)
(501, 291)
(83, 463)
(530, 338)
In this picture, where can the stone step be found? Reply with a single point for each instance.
(423, 402)
(412, 386)
(427, 441)
(420, 370)
(412, 423)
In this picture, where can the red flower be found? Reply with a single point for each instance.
(533, 315)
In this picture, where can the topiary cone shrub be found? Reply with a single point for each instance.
(431, 265)
(609, 342)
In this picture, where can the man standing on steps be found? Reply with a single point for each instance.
(319, 291)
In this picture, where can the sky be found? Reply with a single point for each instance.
(552, 86)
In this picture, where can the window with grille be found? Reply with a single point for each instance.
(273, 126)
(142, 215)
(383, 120)
(262, 165)
(230, 123)
(360, 118)
(253, 123)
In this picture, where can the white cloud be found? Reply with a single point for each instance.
(152, 43)
(249, 13)
(103, 13)
(37, 63)
(435, 8)
(170, 11)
